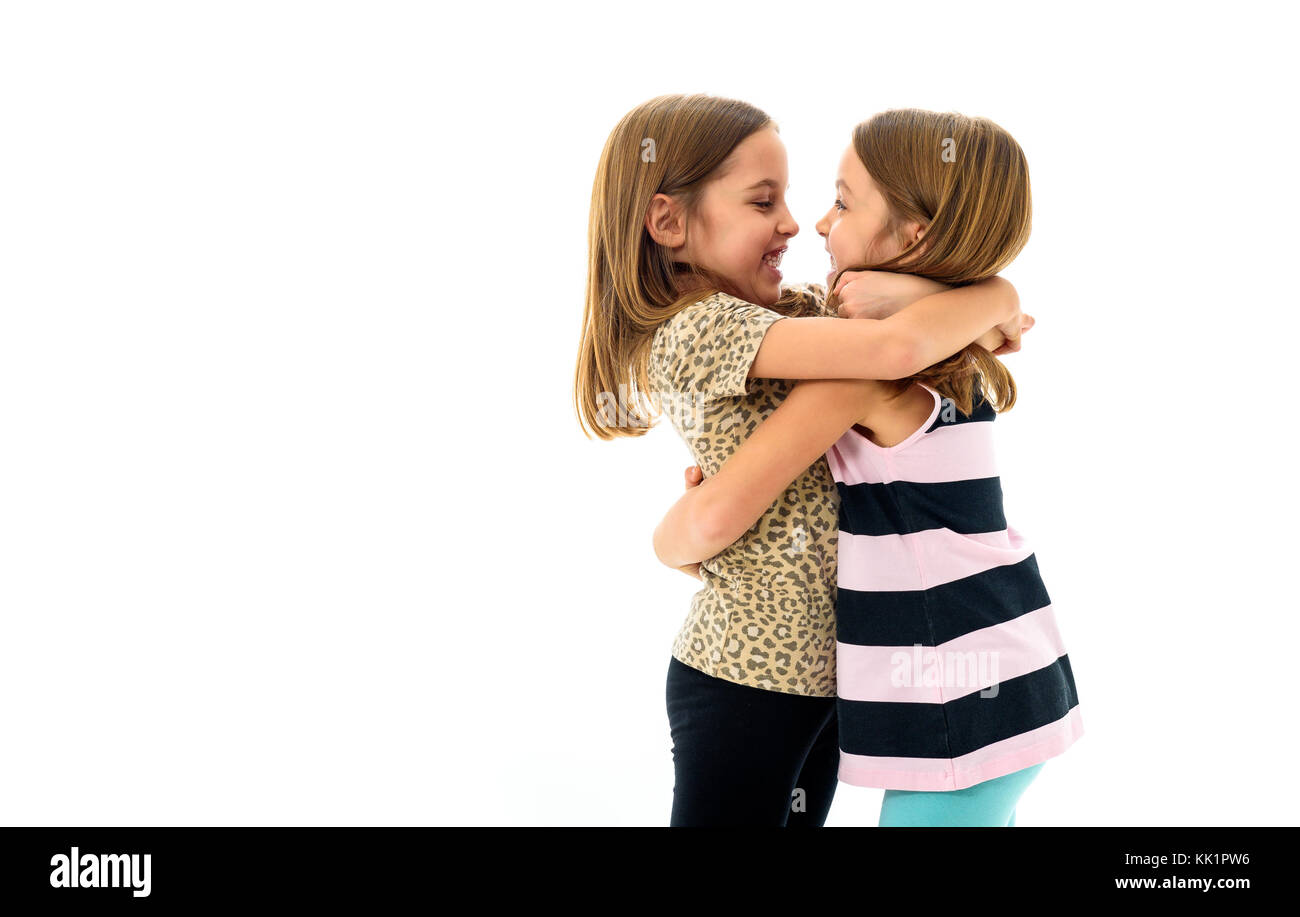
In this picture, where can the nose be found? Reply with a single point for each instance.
(788, 225)
(824, 225)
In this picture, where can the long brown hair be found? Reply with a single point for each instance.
(965, 180)
(672, 144)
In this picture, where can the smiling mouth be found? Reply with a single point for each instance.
(773, 258)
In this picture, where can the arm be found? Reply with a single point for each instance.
(1006, 337)
(931, 329)
(879, 294)
(715, 514)
(991, 340)
(692, 570)
(693, 478)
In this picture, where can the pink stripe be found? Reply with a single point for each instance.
(960, 452)
(994, 760)
(835, 463)
(920, 560)
(964, 665)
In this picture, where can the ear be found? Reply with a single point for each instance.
(914, 235)
(665, 220)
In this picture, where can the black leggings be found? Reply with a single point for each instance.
(740, 753)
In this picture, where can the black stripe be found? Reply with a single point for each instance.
(941, 613)
(889, 729)
(904, 507)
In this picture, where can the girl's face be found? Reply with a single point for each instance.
(855, 228)
(742, 224)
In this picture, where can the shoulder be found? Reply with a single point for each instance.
(720, 315)
(709, 346)
(727, 306)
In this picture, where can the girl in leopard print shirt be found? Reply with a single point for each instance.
(953, 680)
(684, 302)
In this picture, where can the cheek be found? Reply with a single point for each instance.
(840, 239)
(853, 242)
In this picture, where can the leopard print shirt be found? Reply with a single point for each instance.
(765, 616)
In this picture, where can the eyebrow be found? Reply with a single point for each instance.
(771, 183)
(841, 182)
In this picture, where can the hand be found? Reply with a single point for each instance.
(1008, 334)
(879, 294)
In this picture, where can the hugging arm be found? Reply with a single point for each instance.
(719, 511)
(929, 330)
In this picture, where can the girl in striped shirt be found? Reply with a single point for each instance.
(953, 684)
(685, 305)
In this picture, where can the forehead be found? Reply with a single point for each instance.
(853, 173)
(760, 156)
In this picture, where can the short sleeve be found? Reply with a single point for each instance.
(706, 349)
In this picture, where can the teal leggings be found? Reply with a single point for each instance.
(991, 804)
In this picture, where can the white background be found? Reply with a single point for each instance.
(297, 524)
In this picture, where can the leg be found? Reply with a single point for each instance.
(990, 804)
(819, 777)
(737, 750)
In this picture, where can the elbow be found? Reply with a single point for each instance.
(1009, 298)
(659, 547)
(668, 549)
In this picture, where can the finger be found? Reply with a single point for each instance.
(845, 279)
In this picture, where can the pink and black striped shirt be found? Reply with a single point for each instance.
(950, 667)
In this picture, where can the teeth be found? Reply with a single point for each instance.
(773, 259)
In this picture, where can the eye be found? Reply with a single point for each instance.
(839, 205)
(763, 204)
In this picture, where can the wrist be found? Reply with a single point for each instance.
(991, 340)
